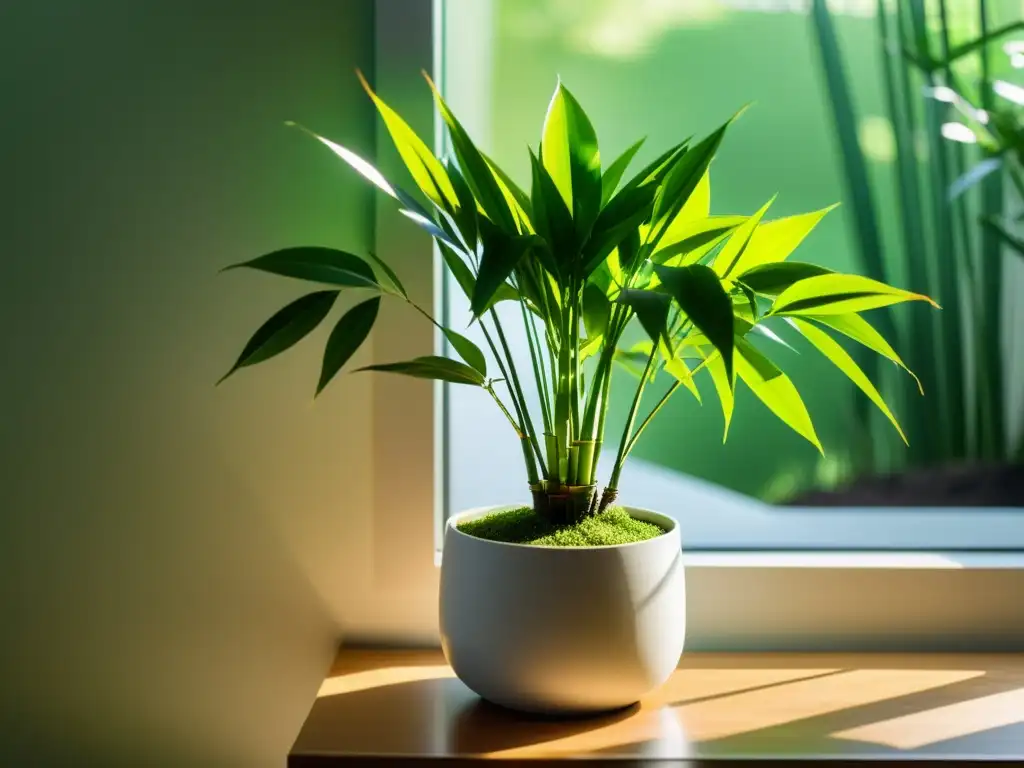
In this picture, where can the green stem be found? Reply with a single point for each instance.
(613, 482)
(524, 408)
(538, 376)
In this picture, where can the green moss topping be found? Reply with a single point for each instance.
(524, 526)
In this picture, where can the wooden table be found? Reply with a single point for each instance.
(395, 706)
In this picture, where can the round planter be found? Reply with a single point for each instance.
(562, 629)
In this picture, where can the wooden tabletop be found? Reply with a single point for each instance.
(393, 706)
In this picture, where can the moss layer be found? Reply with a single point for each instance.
(524, 526)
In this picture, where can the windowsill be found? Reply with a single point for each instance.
(404, 705)
(860, 559)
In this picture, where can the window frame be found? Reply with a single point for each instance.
(879, 595)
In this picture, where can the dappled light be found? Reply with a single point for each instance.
(377, 678)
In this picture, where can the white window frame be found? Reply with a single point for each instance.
(964, 591)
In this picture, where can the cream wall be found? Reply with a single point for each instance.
(175, 559)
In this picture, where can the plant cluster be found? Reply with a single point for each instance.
(585, 252)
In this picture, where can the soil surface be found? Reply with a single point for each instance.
(954, 485)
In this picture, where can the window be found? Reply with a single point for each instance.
(679, 68)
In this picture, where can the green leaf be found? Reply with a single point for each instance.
(775, 240)
(700, 294)
(315, 264)
(860, 330)
(772, 279)
(774, 388)
(681, 372)
(737, 244)
(570, 155)
(690, 244)
(552, 220)
(630, 207)
(348, 335)
(651, 310)
(475, 170)
(696, 208)
(680, 182)
(287, 327)
(724, 387)
(499, 257)
(467, 282)
(613, 175)
(432, 367)
(467, 350)
(837, 294)
(389, 273)
(466, 215)
(590, 346)
(597, 311)
(518, 201)
(842, 360)
(425, 169)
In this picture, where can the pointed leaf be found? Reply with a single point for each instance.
(774, 388)
(475, 169)
(690, 244)
(425, 169)
(630, 207)
(700, 294)
(432, 367)
(570, 155)
(499, 257)
(681, 372)
(552, 220)
(860, 330)
(590, 346)
(285, 328)
(681, 181)
(348, 335)
(841, 359)
(837, 294)
(467, 282)
(773, 241)
(389, 273)
(597, 311)
(973, 176)
(467, 350)
(651, 310)
(772, 279)
(696, 208)
(315, 264)
(613, 175)
(724, 387)
(736, 246)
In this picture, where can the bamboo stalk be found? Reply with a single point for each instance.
(992, 406)
(945, 268)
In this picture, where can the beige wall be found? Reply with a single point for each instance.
(174, 559)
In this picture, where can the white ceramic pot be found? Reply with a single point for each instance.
(562, 629)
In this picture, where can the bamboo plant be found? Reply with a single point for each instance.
(581, 255)
(954, 214)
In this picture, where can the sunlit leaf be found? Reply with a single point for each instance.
(700, 294)
(724, 387)
(690, 243)
(425, 169)
(772, 279)
(841, 359)
(475, 169)
(315, 264)
(838, 294)
(860, 330)
(737, 244)
(432, 367)
(613, 175)
(696, 208)
(553, 220)
(467, 282)
(774, 388)
(570, 155)
(347, 336)
(680, 371)
(285, 328)
(773, 241)
(630, 207)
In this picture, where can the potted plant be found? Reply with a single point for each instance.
(573, 603)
